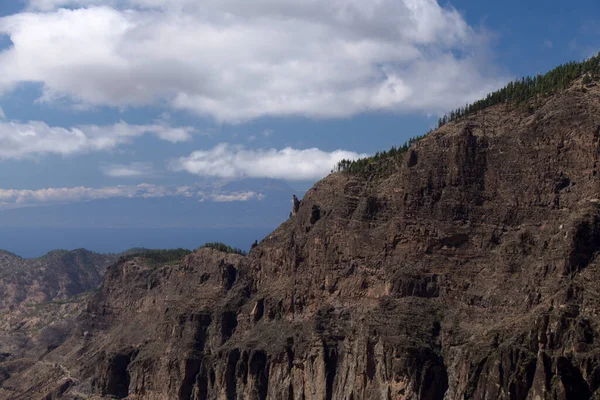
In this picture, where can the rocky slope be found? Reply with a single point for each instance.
(39, 297)
(468, 269)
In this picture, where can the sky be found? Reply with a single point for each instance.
(109, 103)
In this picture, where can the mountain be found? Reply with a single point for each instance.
(464, 267)
(37, 294)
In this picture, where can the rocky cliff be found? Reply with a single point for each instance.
(465, 269)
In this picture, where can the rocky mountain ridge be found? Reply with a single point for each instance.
(465, 269)
(38, 297)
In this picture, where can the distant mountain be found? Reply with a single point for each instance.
(56, 276)
(35, 293)
(33, 242)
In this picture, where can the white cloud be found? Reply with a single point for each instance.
(237, 196)
(16, 198)
(131, 170)
(236, 60)
(226, 161)
(2, 114)
(19, 140)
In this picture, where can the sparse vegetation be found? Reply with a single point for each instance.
(363, 164)
(530, 89)
(162, 257)
(525, 92)
(224, 248)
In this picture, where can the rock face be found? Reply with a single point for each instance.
(468, 269)
(56, 276)
(38, 300)
(296, 206)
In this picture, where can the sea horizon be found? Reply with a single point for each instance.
(32, 242)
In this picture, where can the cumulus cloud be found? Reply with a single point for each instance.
(19, 140)
(226, 161)
(131, 170)
(236, 60)
(17, 198)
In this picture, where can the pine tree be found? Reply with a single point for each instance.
(525, 93)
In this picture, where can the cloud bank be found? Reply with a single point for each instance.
(235, 60)
(226, 161)
(13, 198)
(131, 170)
(237, 196)
(19, 140)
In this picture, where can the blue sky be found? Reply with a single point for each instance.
(107, 100)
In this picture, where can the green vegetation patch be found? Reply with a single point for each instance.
(363, 165)
(224, 248)
(157, 258)
(525, 92)
(530, 89)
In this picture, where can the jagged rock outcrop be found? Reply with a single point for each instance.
(295, 206)
(468, 269)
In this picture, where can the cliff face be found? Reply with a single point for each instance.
(467, 269)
